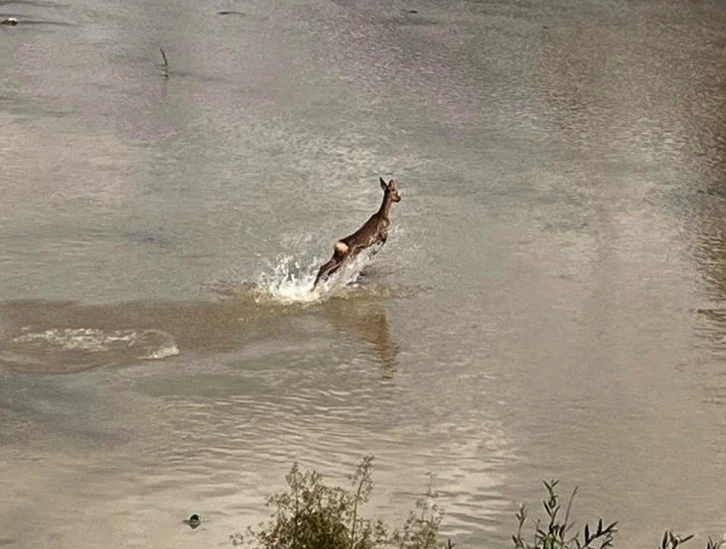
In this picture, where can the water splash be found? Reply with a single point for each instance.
(290, 282)
(144, 344)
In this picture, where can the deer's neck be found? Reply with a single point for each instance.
(385, 210)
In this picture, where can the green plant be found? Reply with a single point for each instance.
(671, 541)
(421, 529)
(716, 544)
(312, 515)
(556, 532)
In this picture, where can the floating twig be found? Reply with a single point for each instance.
(166, 62)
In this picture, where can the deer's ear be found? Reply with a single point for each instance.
(383, 183)
(392, 184)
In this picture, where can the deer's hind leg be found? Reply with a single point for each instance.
(326, 270)
(340, 253)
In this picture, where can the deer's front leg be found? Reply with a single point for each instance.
(380, 241)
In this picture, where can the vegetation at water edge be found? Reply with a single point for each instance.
(313, 515)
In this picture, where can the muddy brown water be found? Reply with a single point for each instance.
(551, 302)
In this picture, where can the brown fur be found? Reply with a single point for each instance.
(373, 231)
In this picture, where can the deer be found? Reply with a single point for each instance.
(373, 232)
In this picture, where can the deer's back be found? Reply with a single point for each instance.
(368, 233)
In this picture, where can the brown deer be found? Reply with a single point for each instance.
(373, 231)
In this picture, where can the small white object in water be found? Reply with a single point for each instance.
(9, 21)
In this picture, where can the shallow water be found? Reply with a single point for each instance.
(551, 302)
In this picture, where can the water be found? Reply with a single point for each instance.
(551, 302)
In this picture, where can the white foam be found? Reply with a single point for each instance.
(171, 350)
(289, 282)
(79, 339)
(148, 344)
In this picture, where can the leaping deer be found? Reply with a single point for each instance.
(373, 231)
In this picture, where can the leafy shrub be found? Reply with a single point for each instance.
(556, 531)
(312, 515)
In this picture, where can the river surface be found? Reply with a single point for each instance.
(551, 302)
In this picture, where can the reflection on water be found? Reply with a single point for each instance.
(707, 120)
(710, 256)
(219, 431)
(565, 162)
(709, 242)
(47, 337)
(366, 320)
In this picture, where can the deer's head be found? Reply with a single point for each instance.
(390, 189)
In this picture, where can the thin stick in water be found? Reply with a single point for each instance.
(166, 62)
